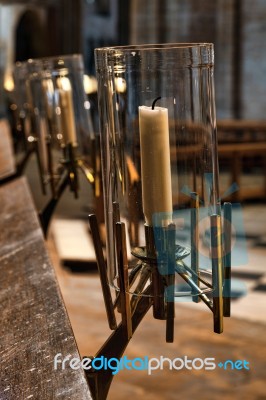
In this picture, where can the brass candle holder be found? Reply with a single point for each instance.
(68, 176)
(167, 236)
(61, 131)
(153, 278)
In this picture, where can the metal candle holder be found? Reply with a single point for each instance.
(60, 132)
(68, 177)
(159, 164)
(154, 278)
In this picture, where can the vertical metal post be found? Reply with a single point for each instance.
(158, 287)
(51, 168)
(121, 252)
(217, 272)
(195, 241)
(102, 272)
(227, 239)
(116, 218)
(170, 289)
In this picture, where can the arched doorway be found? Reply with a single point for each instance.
(30, 36)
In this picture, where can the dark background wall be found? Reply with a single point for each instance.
(253, 57)
(236, 27)
(238, 30)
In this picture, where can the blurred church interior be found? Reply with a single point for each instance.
(31, 29)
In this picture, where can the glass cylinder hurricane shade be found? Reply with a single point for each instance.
(158, 147)
(68, 77)
(20, 77)
(59, 105)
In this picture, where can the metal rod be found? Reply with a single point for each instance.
(217, 272)
(108, 301)
(116, 212)
(227, 235)
(134, 273)
(39, 164)
(46, 214)
(51, 168)
(72, 168)
(115, 346)
(121, 252)
(116, 218)
(188, 269)
(195, 241)
(192, 284)
(87, 171)
(144, 277)
(170, 290)
(158, 286)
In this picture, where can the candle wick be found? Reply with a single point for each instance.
(154, 101)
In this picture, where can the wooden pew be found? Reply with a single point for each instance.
(34, 322)
(240, 140)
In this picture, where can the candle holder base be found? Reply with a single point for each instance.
(68, 175)
(140, 289)
(161, 262)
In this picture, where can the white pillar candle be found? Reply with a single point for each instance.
(67, 110)
(155, 164)
(48, 92)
